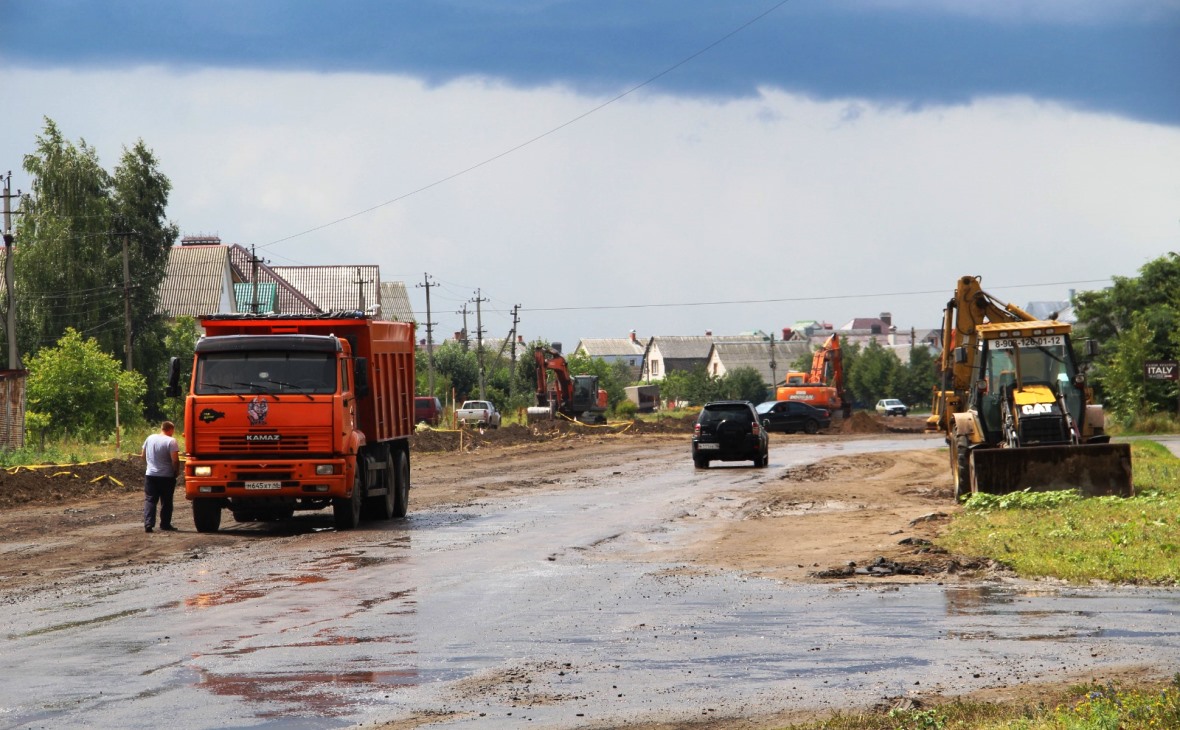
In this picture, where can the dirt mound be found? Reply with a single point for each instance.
(47, 483)
(870, 422)
(430, 440)
(862, 422)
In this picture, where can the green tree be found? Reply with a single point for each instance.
(455, 368)
(871, 373)
(72, 232)
(1136, 319)
(694, 387)
(72, 385)
(180, 341)
(743, 384)
(1126, 391)
(914, 381)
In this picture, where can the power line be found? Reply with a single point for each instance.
(778, 300)
(543, 135)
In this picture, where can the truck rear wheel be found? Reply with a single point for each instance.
(346, 512)
(206, 515)
(383, 506)
(401, 484)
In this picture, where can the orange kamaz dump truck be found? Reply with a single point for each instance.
(298, 412)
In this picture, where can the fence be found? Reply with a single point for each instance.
(12, 409)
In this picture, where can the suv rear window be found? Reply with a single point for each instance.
(719, 413)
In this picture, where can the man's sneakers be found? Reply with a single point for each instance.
(168, 528)
(148, 529)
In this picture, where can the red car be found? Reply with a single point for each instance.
(427, 409)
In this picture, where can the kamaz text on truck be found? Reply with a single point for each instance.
(299, 412)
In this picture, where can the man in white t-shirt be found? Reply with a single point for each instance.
(162, 455)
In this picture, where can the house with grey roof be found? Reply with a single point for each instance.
(610, 350)
(395, 302)
(335, 287)
(198, 280)
(664, 354)
(725, 357)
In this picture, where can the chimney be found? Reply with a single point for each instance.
(633, 337)
(520, 339)
(708, 333)
(887, 318)
(892, 335)
(787, 332)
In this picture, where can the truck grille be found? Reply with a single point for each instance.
(298, 443)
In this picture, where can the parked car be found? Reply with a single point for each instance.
(790, 416)
(427, 409)
(891, 407)
(729, 430)
(478, 412)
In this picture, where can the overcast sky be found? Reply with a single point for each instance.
(666, 166)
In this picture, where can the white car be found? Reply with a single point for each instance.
(891, 407)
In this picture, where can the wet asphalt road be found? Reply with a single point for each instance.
(521, 612)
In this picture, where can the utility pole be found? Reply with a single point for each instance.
(360, 283)
(124, 235)
(426, 284)
(463, 334)
(512, 372)
(254, 260)
(10, 322)
(773, 365)
(479, 343)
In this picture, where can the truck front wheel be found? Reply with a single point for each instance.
(347, 511)
(206, 515)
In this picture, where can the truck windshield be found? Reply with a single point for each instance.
(265, 372)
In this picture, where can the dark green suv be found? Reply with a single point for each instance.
(728, 430)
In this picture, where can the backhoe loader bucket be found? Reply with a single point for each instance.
(1093, 469)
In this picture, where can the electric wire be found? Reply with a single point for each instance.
(541, 136)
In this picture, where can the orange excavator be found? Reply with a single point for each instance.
(576, 397)
(823, 386)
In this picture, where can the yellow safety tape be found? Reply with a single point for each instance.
(108, 477)
(67, 473)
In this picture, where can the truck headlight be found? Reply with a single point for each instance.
(202, 471)
(325, 469)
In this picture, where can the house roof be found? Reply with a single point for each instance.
(266, 300)
(395, 302)
(197, 277)
(757, 355)
(695, 347)
(605, 347)
(335, 287)
(249, 268)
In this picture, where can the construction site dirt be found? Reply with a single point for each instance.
(847, 517)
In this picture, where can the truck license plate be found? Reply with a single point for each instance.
(264, 485)
(708, 447)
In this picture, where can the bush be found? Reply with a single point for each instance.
(626, 409)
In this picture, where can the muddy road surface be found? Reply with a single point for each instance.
(577, 583)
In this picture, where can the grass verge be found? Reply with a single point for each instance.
(1062, 535)
(1084, 707)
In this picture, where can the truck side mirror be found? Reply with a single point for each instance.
(360, 376)
(173, 388)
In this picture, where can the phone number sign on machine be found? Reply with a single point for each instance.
(1010, 343)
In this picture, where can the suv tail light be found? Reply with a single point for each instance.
(696, 429)
(755, 428)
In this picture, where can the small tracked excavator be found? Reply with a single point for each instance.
(1015, 407)
(576, 397)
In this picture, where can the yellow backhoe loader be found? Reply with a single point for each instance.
(1014, 406)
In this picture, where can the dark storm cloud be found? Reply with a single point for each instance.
(911, 54)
